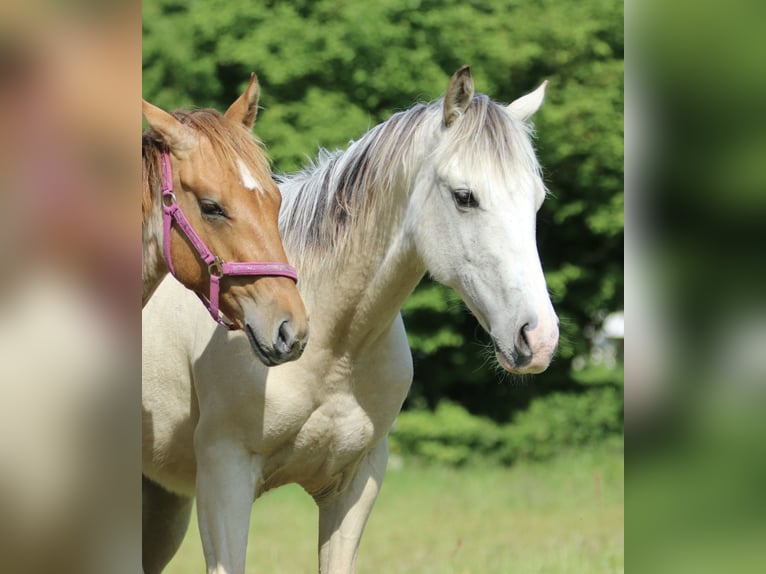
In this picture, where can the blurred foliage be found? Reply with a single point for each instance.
(552, 424)
(331, 69)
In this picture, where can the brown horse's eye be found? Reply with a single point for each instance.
(210, 208)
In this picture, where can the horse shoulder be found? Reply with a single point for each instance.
(379, 382)
(388, 362)
(170, 324)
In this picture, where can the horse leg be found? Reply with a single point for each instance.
(226, 477)
(342, 517)
(165, 518)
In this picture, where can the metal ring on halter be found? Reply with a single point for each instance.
(215, 268)
(171, 196)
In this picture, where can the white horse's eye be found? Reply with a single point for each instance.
(464, 198)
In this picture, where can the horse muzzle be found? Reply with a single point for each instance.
(287, 343)
(531, 350)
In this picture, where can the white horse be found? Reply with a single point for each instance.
(451, 188)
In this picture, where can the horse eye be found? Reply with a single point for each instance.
(464, 198)
(211, 208)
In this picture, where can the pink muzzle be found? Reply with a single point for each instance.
(172, 213)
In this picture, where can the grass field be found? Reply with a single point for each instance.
(561, 516)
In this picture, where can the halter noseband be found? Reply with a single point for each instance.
(217, 268)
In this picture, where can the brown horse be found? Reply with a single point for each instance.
(209, 168)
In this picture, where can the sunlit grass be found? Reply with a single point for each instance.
(561, 516)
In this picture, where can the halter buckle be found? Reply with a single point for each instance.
(215, 268)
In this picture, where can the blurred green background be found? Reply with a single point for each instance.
(696, 279)
(329, 70)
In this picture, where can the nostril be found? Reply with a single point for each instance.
(286, 340)
(522, 352)
(523, 338)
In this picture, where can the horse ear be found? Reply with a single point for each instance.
(522, 108)
(459, 95)
(173, 133)
(245, 108)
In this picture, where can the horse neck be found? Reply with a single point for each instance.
(154, 267)
(354, 290)
(356, 305)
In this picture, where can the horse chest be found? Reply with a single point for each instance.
(338, 431)
(333, 438)
(324, 413)
(345, 423)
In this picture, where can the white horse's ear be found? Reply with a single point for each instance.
(459, 95)
(178, 137)
(245, 107)
(523, 107)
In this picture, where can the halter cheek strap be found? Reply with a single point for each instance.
(217, 268)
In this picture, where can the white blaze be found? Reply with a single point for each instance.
(247, 178)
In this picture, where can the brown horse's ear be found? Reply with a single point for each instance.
(522, 108)
(178, 137)
(459, 95)
(245, 108)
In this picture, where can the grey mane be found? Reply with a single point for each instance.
(342, 190)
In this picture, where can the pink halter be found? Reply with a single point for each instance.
(217, 268)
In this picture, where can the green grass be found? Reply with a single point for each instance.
(561, 516)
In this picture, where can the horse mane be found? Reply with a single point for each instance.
(231, 142)
(342, 190)
(323, 201)
(495, 139)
